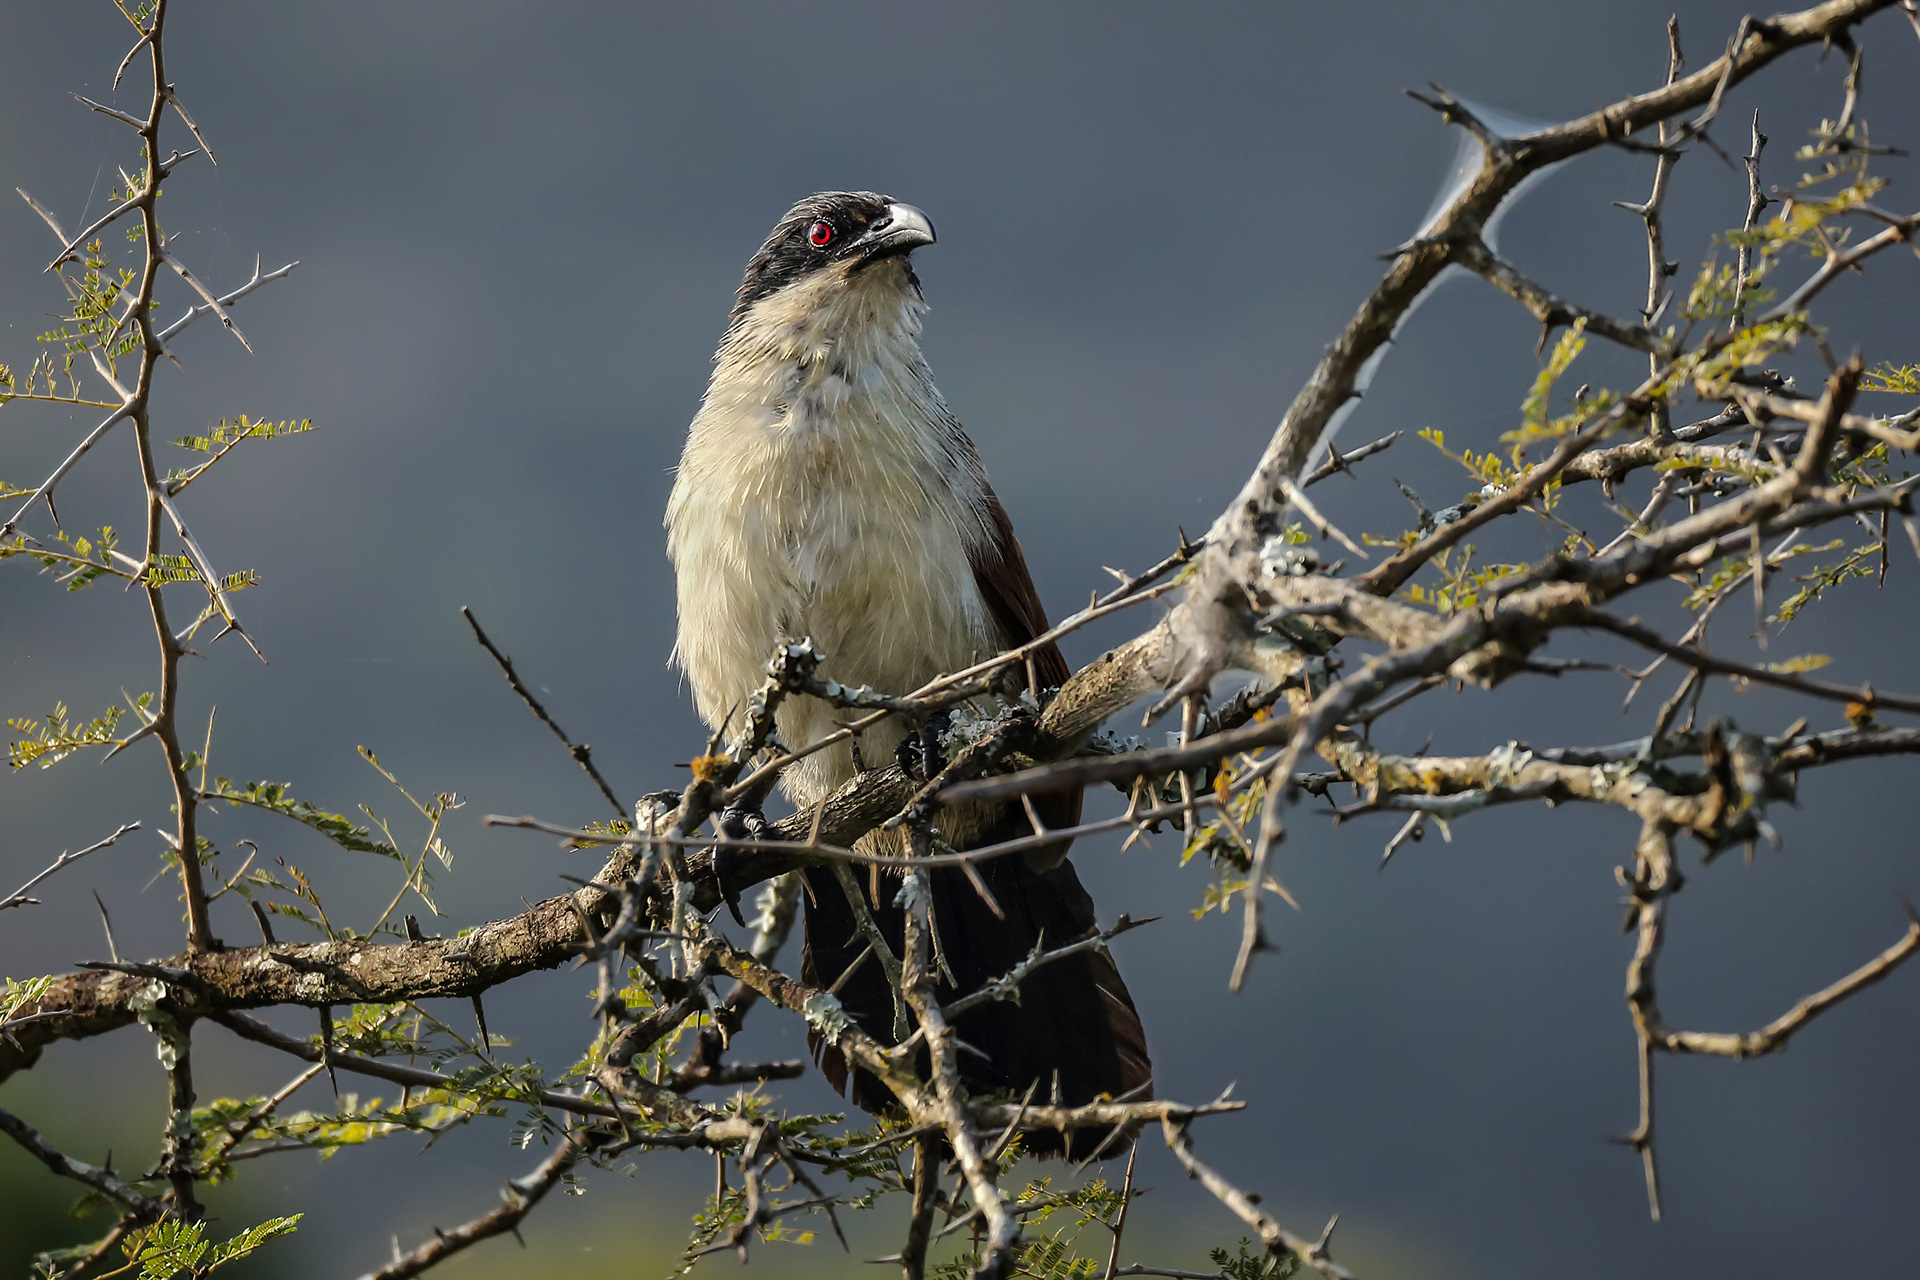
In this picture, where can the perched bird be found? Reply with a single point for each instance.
(827, 492)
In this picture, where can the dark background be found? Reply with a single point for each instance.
(519, 228)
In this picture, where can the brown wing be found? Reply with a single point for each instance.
(1000, 571)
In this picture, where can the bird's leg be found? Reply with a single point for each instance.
(920, 754)
(920, 757)
(741, 820)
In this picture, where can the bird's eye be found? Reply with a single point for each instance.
(820, 234)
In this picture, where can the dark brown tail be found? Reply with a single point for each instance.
(1074, 1034)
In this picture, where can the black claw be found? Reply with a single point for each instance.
(919, 755)
(736, 822)
(739, 822)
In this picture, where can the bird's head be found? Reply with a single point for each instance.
(836, 237)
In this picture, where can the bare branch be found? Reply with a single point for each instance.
(1865, 695)
(1451, 111)
(926, 1196)
(1007, 985)
(1901, 232)
(1548, 308)
(44, 493)
(917, 983)
(581, 753)
(520, 1196)
(212, 303)
(20, 898)
(1122, 768)
(1276, 1237)
(1756, 204)
(1775, 1034)
(1338, 462)
(226, 299)
(105, 110)
(1305, 507)
(143, 1206)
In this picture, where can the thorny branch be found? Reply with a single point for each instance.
(131, 311)
(1249, 602)
(142, 197)
(141, 1205)
(581, 753)
(19, 897)
(519, 1198)
(1277, 1238)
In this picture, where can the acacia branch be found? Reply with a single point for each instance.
(520, 1195)
(1653, 880)
(20, 898)
(227, 299)
(1864, 695)
(1547, 307)
(1007, 985)
(186, 801)
(1837, 264)
(1616, 462)
(1721, 804)
(1241, 611)
(1277, 1238)
(44, 491)
(1652, 884)
(1343, 462)
(1390, 575)
(86, 1004)
(949, 1095)
(144, 1207)
(1258, 511)
(581, 753)
(1775, 1034)
(1659, 270)
(400, 1073)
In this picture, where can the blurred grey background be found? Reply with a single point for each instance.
(519, 228)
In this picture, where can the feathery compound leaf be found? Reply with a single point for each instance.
(273, 797)
(1899, 379)
(163, 568)
(223, 440)
(18, 995)
(1857, 564)
(85, 559)
(1533, 410)
(1054, 1256)
(252, 1238)
(1249, 1265)
(53, 740)
(174, 1248)
(233, 430)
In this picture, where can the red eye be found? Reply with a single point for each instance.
(821, 234)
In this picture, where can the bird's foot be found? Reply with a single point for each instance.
(920, 754)
(735, 822)
(742, 822)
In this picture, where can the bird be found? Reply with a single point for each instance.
(826, 492)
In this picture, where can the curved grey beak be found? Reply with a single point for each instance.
(902, 230)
